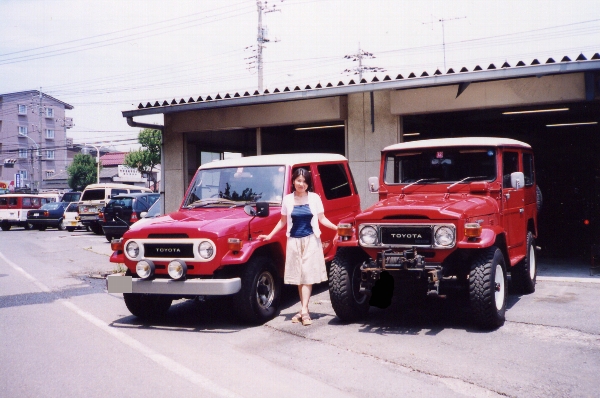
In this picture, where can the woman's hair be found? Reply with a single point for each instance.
(304, 173)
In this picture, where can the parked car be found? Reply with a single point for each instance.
(14, 208)
(49, 215)
(454, 215)
(210, 246)
(71, 220)
(122, 211)
(96, 196)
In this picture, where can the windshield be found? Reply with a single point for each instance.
(235, 185)
(441, 165)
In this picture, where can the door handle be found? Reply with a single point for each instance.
(521, 210)
(507, 196)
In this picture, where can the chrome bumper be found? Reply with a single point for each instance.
(191, 287)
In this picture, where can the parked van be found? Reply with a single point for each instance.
(71, 197)
(96, 196)
(14, 208)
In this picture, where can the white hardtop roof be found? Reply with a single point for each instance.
(275, 160)
(465, 141)
(21, 195)
(116, 186)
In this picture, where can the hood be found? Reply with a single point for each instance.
(435, 206)
(216, 221)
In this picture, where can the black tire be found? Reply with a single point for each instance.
(70, 229)
(487, 288)
(524, 274)
(344, 283)
(5, 227)
(96, 229)
(539, 200)
(28, 226)
(147, 306)
(41, 228)
(60, 225)
(109, 238)
(258, 300)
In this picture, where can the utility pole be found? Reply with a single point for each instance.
(443, 20)
(261, 39)
(361, 68)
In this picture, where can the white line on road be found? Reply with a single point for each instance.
(148, 352)
(567, 279)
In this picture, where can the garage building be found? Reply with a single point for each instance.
(553, 105)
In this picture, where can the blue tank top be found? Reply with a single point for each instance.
(301, 218)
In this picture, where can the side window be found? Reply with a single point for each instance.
(335, 181)
(135, 191)
(3, 202)
(528, 169)
(510, 164)
(26, 202)
(114, 192)
(36, 201)
(12, 201)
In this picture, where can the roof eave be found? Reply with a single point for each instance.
(417, 82)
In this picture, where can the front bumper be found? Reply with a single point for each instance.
(190, 287)
(114, 229)
(41, 222)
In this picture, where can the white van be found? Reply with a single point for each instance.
(95, 197)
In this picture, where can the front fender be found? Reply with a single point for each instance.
(487, 239)
(117, 257)
(248, 249)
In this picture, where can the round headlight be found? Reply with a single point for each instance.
(177, 269)
(206, 250)
(133, 250)
(444, 236)
(145, 269)
(368, 235)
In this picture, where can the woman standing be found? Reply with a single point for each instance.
(302, 211)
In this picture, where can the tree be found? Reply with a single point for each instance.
(82, 172)
(147, 157)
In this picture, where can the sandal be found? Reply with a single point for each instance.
(297, 318)
(306, 319)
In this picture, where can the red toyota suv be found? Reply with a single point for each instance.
(454, 214)
(209, 246)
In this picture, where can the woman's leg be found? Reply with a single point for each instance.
(305, 292)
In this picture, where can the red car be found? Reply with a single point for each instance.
(209, 246)
(454, 214)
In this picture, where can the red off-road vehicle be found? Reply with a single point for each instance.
(453, 213)
(209, 246)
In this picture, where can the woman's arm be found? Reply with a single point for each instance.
(278, 227)
(325, 221)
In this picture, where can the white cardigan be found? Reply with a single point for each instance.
(316, 207)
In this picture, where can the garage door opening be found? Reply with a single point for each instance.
(566, 143)
(324, 138)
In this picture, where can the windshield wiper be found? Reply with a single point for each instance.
(463, 180)
(418, 181)
(207, 202)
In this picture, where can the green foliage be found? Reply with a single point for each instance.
(82, 172)
(146, 158)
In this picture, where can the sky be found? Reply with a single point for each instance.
(104, 57)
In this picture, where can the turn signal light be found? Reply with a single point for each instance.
(473, 230)
(101, 216)
(234, 244)
(344, 230)
(46, 214)
(116, 245)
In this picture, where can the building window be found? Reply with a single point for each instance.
(49, 173)
(49, 154)
(49, 134)
(22, 109)
(22, 154)
(49, 112)
(23, 131)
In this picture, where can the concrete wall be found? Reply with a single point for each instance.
(174, 169)
(515, 92)
(364, 143)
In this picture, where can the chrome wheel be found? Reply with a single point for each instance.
(265, 290)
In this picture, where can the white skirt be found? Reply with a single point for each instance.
(304, 261)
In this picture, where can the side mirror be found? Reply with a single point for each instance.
(517, 180)
(143, 214)
(262, 210)
(374, 184)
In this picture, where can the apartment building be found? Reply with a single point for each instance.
(33, 139)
